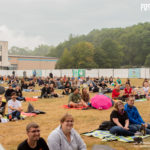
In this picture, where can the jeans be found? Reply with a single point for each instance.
(122, 132)
(16, 114)
(139, 126)
(20, 98)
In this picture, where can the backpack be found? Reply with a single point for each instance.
(30, 108)
(106, 125)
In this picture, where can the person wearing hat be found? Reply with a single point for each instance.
(14, 107)
(75, 99)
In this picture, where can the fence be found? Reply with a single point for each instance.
(122, 73)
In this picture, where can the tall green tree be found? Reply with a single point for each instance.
(147, 61)
(83, 55)
(113, 53)
(42, 50)
(65, 62)
(80, 56)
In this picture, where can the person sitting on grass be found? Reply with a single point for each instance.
(34, 141)
(14, 107)
(85, 96)
(146, 90)
(52, 92)
(45, 91)
(19, 93)
(2, 106)
(104, 88)
(93, 87)
(24, 85)
(119, 81)
(75, 99)
(31, 85)
(65, 137)
(9, 92)
(67, 89)
(116, 92)
(127, 91)
(134, 116)
(120, 120)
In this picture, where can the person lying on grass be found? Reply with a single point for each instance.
(65, 137)
(120, 120)
(134, 116)
(34, 141)
(75, 99)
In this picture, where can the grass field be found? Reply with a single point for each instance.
(12, 133)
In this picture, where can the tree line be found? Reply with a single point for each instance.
(105, 48)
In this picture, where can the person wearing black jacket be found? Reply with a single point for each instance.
(51, 75)
(8, 92)
(45, 91)
(19, 94)
(67, 89)
(52, 92)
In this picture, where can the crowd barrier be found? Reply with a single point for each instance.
(121, 73)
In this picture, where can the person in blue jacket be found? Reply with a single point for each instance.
(134, 116)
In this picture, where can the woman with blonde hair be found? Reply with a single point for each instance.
(64, 137)
(85, 96)
(120, 121)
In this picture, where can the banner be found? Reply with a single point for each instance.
(134, 73)
(78, 72)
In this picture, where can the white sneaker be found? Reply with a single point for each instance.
(137, 133)
(15, 119)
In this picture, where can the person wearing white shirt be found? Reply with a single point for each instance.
(64, 137)
(14, 107)
(146, 90)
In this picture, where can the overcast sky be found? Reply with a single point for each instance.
(29, 23)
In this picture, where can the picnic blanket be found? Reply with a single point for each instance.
(30, 90)
(107, 136)
(66, 106)
(23, 114)
(31, 99)
(141, 100)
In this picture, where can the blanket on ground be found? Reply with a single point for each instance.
(66, 106)
(141, 100)
(30, 90)
(28, 99)
(107, 136)
(23, 114)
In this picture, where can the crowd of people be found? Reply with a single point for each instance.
(125, 119)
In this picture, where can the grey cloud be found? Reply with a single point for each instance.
(54, 20)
